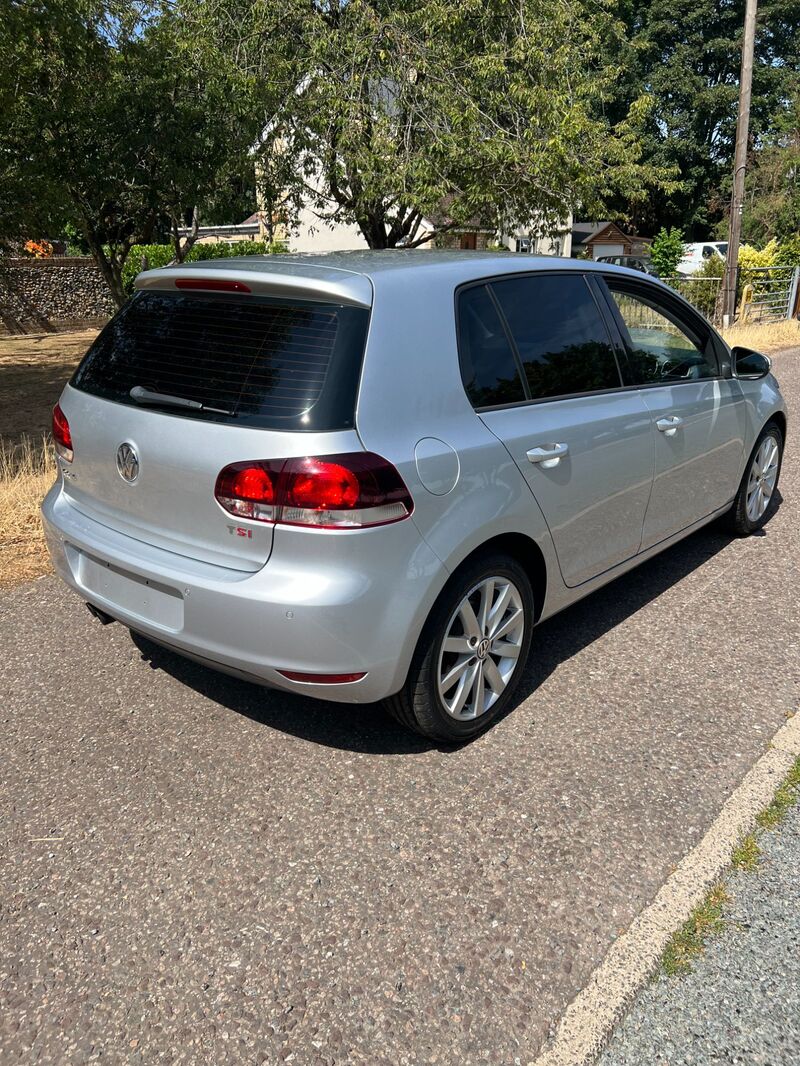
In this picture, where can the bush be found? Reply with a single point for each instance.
(789, 251)
(156, 255)
(666, 251)
(750, 257)
(160, 255)
(702, 288)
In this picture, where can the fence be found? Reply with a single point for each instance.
(770, 294)
(702, 293)
(764, 294)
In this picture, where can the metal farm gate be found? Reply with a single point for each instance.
(770, 294)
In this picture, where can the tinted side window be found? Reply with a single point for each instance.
(660, 347)
(488, 366)
(559, 332)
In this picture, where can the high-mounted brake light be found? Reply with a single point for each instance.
(62, 435)
(330, 492)
(211, 285)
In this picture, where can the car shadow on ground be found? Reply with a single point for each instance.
(369, 729)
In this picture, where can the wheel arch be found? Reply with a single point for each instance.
(779, 418)
(526, 552)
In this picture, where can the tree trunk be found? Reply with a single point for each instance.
(109, 267)
(182, 250)
(373, 229)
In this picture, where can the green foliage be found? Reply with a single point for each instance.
(667, 251)
(146, 257)
(772, 187)
(785, 798)
(688, 942)
(747, 854)
(124, 132)
(76, 242)
(702, 288)
(388, 110)
(151, 256)
(686, 55)
(750, 258)
(789, 252)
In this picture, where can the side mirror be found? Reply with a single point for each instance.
(749, 364)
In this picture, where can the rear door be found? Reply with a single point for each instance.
(220, 379)
(539, 367)
(697, 408)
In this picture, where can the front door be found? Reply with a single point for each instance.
(698, 413)
(540, 368)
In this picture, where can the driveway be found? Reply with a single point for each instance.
(197, 870)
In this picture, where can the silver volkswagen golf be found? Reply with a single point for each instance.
(368, 476)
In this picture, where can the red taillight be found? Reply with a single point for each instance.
(211, 285)
(330, 492)
(62, 435)
(322, 485)
(248, 490)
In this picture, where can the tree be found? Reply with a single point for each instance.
(686, 55)
(388, 107)
(110, 117)
(667, 251)
(31, 202)
(772, 189)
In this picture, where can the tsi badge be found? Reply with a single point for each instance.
(127, 462)
(240, 531)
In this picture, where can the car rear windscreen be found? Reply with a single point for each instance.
(251, 360)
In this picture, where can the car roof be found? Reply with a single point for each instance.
(353, 277)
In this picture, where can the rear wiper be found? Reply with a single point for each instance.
(141, 394)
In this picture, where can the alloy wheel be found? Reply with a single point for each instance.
(481, 648)
(762, 479)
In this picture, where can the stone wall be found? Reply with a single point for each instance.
(39, 295)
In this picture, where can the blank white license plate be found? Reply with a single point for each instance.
(133, 595)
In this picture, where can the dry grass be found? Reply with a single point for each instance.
(765, 337)
(27, 470)
(33, 370)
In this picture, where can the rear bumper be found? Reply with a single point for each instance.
(325, 603)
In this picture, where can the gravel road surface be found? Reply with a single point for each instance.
(197, 870)
(741, 1002)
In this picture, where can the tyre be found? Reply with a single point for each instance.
(471, 654)
(755, 501)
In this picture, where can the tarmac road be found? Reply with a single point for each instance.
(193, 869)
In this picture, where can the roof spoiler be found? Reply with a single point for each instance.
(298, 281)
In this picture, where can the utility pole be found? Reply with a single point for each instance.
(739, 164)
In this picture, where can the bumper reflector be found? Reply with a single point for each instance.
(322, 679)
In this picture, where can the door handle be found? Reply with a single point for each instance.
(548, 455)
(669, 425)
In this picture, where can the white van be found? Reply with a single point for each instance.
(694, 255)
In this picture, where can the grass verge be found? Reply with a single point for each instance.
(27, 470)
(765, 337)
(688, 942)
(785, 798)
(708, 918)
